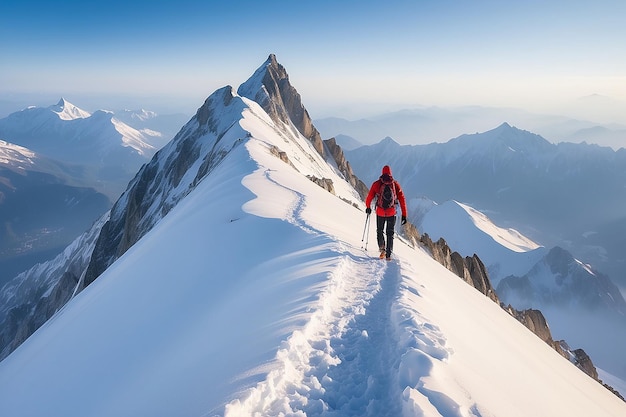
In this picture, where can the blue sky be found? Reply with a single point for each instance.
(342, 56)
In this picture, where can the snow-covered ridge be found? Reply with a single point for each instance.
(250, 294)
(468, 231)
(15, 155)
(68, 133)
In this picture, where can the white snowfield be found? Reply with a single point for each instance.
(253, 297)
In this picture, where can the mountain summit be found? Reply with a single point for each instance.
(68, 111)
(232, 279)
(269, 86)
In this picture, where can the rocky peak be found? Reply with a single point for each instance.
(67, 111)
(471, 269)
(344, 167)
(269, 86)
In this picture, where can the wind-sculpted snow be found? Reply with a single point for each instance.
(340, 359)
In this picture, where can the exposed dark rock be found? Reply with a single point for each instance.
(583, 361)
(281, 155)
(154, 183)
(344, 167)
(472, 270)
(536, 322)
(23, 320)
(410, 233)
(280, 100)
(325, 183)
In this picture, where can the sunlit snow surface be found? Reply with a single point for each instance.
(253, 296)
(503, 251)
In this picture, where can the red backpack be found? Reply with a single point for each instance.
(386, 196)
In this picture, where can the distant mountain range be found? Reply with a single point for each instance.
(44, 205)
(419, 126)
(109, 151)
(60, 169)
(570, 195)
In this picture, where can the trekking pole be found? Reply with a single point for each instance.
(366, 229)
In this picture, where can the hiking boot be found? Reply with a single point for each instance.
(383, 252)
(388, 258)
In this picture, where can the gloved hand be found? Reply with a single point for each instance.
(403, 220)
(368, 210)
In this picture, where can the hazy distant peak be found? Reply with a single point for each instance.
(507, 139)
(140, 114)
(67, 111)
(388, 141)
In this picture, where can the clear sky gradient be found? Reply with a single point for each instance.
(342, 56)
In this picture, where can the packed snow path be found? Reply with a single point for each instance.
(359, 384)
(361, 345)
(342, 360)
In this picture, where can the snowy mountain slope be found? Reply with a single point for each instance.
(251, 295)
(14, 156)
(161, 128)
(51, 130)
(199, 147)
(582, 305)
(293, 316)
(21, 160)
(70, 167)
(29, 299)
(112, 150)
(67, 111)
(504, 251)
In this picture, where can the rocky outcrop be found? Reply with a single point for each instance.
(536, 322)
(344, 167)
(325, 183)
(32, 297)
(411, 234)
(472, 270)
(280, 99)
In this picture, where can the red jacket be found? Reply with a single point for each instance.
(386, 212)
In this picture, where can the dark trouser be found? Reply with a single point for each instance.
(380, 232)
